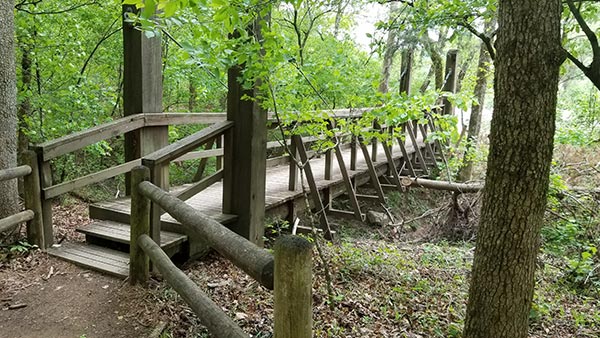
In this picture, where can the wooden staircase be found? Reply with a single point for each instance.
(106, 247)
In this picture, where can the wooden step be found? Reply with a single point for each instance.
(94, 257)
(121, 233)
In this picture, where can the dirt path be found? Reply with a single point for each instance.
(64, 301)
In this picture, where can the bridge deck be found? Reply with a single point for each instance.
(210, 200)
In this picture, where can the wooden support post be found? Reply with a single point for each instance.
(418, 152)
(204, 161)
(372, 171)
(406, 157)
(33, 200)
(406, 70)
(293, 173)
(245, 160)
(348, 183)
(428, 146)
(353, 152)
(375, 142)
(219, 160)
(451, 77)
(329, 156)
(392, 168)
(314, 190)
(293, 288)
(139, 264)
(210, 314)
(142, 90)
(156, 176)
(45, 179)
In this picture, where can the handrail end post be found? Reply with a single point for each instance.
(139, 263)
(293, 288)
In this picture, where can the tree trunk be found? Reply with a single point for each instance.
(521, 142)
(8, 108)
(24, 110)
(391, 47)
(483, 68)
(193, 95)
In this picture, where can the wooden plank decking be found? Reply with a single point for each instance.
(210, 200)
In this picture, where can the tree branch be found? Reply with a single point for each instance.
(484, 38)
(586, 29)
(19, 7)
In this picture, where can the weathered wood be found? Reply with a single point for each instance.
(76, 141)
(372, 172)
(94, 257)
(245, 158)
(204, 161)
(442, 185)
(451, 76)
(209, 313)
(10, 173)
(199, 186)
(428, 147)
(257, 262)
(353, 152)
(329, 155)
(46, 181)
(294, 174)
(10, 222)
(96, 177)
(374, 142)
(179, 148)
(33, 200)
(292, 294)
(173, 119)
(121, 233)
(139, 265)
(419, 154)
(201, 154)
(314, 191)
(142, 88)
(392, 168)
(348, 183)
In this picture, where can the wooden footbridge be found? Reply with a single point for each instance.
(225, 210)
(254, 177)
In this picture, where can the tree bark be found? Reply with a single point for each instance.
(391, 46)
(483, 69)
(8, 108)
(521, 142)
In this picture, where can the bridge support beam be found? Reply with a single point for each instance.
(142, 92)
(245, 158)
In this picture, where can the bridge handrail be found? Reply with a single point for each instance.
(33, 205)
(256, 262)
(75, 141)
(288, 272)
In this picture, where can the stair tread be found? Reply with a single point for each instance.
(120, 232)
(94, 257)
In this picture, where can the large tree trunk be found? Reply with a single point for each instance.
(388, 59)
(483, 70)
(521, 141)
(8, 107)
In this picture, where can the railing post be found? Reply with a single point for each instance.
(294, 172)
(139, 265)
(45, 180)
(33, 200)
(157, 178)
(293, 288)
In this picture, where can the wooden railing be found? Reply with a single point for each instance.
(48, 151)
(289, 272)
(33, 207)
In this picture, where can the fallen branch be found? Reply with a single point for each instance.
(441, 185)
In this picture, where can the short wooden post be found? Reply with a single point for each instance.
(293, 288)
(139, 264)
(33, 200)
(450, 76)
(45, 179)
(329, 155)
